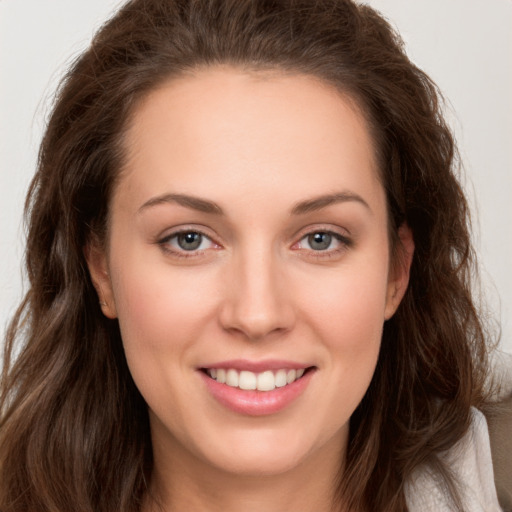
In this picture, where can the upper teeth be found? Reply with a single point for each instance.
(264, 381)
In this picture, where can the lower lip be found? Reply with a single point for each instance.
(257, 403)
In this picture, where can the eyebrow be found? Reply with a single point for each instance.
(317, 203)
(207, 206)
(195, 203)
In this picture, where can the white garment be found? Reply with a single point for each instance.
(471, 463)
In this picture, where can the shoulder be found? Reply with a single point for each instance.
(470, 462)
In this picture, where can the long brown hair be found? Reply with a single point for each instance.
(74, 432)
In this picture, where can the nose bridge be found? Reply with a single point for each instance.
(258, 303)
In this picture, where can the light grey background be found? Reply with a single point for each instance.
(465, 46)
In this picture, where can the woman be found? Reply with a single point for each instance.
(250, 275)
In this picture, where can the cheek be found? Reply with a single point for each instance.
(161, 320)
(353, 332)
(155, 306)
(348, 309)
(345, 317)
(348, 317)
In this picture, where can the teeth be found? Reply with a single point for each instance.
(232, 378)
(281, 378)
(221, 375)
(291, 376)
(247, 380)
(265, 381)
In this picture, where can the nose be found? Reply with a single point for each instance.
(257, 300)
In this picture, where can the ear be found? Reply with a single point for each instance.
(399, 271)
(98, 269)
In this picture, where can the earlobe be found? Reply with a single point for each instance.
(400, 271)
(98, 270)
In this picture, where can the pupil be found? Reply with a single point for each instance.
(189, 241)
(319, 241)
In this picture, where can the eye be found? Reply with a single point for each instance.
(323, 241)
(190, 241)
(186, 242)
(319, 241)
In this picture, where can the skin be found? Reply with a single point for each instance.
(257, 145)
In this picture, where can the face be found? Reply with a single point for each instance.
(248, 244)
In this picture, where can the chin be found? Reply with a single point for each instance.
(260, 463)
(270, 452)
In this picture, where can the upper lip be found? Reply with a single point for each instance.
(256, 366)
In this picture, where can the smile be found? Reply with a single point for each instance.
(256, 389)
(263, 381)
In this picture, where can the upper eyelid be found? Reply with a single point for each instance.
(322, 228)
(342, 239)
(168, 234)
(335, 234)
(177, 233)
(328, 231)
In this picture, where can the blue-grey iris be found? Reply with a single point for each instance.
(319, 241)
(189, 241)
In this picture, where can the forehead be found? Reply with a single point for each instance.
(246, 130)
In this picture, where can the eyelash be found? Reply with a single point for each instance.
(164, 244)
(345, 243)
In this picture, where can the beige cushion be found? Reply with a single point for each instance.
(499, 420)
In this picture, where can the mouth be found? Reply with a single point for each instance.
(257, 388)
(267, 380)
